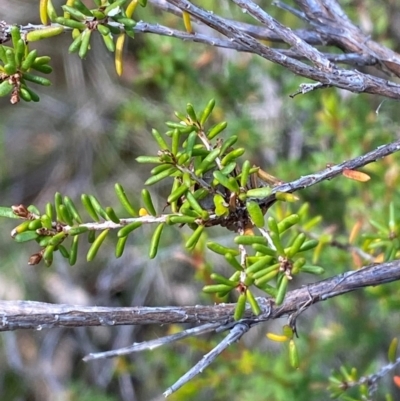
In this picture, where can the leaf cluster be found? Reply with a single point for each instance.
(209, 187)
(16, 66)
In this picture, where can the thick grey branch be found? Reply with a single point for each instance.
(16, 315)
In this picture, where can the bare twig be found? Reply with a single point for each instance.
(335, 170)
(330, 26)
(150, 345)
(234, 335)
(305, 88)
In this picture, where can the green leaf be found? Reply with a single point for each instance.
(112, 215)
(48, 255)
(120, 247)
(160, 176)
(282, 290)
(96, 245)
(191, 113)
(74, 250)
(210, 289)
(148, 202)
(392, 352)
(8, 212)
(155, 240)
(72, 209)
(26, 236)
(125, 231)
(194, 238)
(97, 206)
(255, 213)
(253, 302)
(207, 111)
(240, 307)
(288, 222)
(119, 190)
(293, 355)
(220, 249)
(259, 265)
(87, 203)
(216, 130)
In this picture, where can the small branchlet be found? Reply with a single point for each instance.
(209, 186)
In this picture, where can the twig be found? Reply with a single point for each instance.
(343, 246)
(372, 380)
(305, 88)
(292, 10)
(348, 247)
(150, 345)
(335, 170)
(266, 235)
(330, 26)
(329, 20)
(235, 334)
(258, 32)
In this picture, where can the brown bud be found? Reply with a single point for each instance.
(21, 211)
(35, 259)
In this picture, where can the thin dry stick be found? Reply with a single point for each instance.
(152, 344)
(335, 170)
(234, 335)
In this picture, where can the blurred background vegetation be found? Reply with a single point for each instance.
(84, 136)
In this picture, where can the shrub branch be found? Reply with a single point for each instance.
(17, 315)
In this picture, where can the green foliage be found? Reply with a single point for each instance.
(110, 19)
(384, 243)
(347, 384)
(16, 64)
(209, 187)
